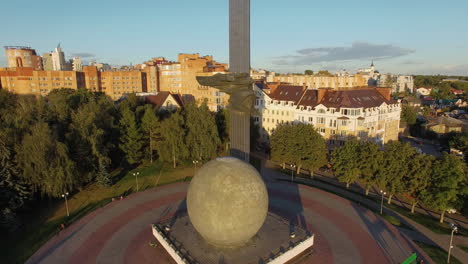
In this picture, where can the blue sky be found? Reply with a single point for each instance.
(414, 36)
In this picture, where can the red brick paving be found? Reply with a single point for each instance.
(139, 251)
(90, 249)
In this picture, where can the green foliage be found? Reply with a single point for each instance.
(12, 192)
(409, 115)
(172, 141)
(299, 144)
(345, 162)
(309, 72)
(448, 184)
(131, 141)
(418, 177)
(151, 127)
(460, 142)
(394, 167)
(202, 132)
(369, 162)
(45, 162)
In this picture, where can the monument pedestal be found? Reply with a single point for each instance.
(272, 244)
(240, 135)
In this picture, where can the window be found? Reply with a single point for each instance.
(332, 111)
(322, 130)
(321, 111)
(343, 133)
(333, 132)
(320, 120)
(311, 119)
(343, 122)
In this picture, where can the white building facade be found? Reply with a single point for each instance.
(365, 114)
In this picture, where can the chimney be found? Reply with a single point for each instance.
(320, 94)
(385, 92)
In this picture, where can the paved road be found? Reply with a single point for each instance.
(120, 232)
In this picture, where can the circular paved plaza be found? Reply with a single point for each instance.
(120, 232)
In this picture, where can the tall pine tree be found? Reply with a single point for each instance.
(131, 140)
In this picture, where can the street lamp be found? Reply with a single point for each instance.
(195, 162)
(136, 178)
(381, 203)
(292, 171)
(454, 230)
(65, 195)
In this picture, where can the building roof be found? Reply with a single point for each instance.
(354, 98)
(309, 98)
(159, 99)
(287, 93)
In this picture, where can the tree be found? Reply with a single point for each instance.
(12, 192)
(307, 147)
(131, 138)
(223, 124)
(345, 162)
(309, 72)
(172, 147)
(448, 185)
(90, 137)
(280, 144)
(45, 163)
(202, 133)
(369, 162)
(409, 115)
(460, 142)
(417, 178)
(103, 177)
(150, 125)
(394, 167)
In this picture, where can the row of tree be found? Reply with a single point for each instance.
(398, 169)
(68, 139)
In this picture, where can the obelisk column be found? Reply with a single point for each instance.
(239, 62)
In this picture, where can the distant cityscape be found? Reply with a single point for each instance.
(340, 105)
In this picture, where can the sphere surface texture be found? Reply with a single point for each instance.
(227, 202)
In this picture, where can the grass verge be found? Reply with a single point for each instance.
(437, 254)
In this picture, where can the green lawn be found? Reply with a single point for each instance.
(437, 254)
(47, 217)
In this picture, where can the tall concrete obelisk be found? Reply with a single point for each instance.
(239, 62)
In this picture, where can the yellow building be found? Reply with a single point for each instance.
(318, 81)
(180, 78)
(25, 80)
(18, 56)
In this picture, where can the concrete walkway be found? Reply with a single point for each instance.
(423, 234)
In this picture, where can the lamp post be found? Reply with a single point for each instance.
(136, 178)
(381, 203)
(292, 171)
(454, 230)
(65, 195)
(195, 162)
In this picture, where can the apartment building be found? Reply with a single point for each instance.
(366, 113)
(318, 81)
(114, 83)
(26, 80)
(181, 78)
(19, 56)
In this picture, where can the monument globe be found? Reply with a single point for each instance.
(227, 202)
